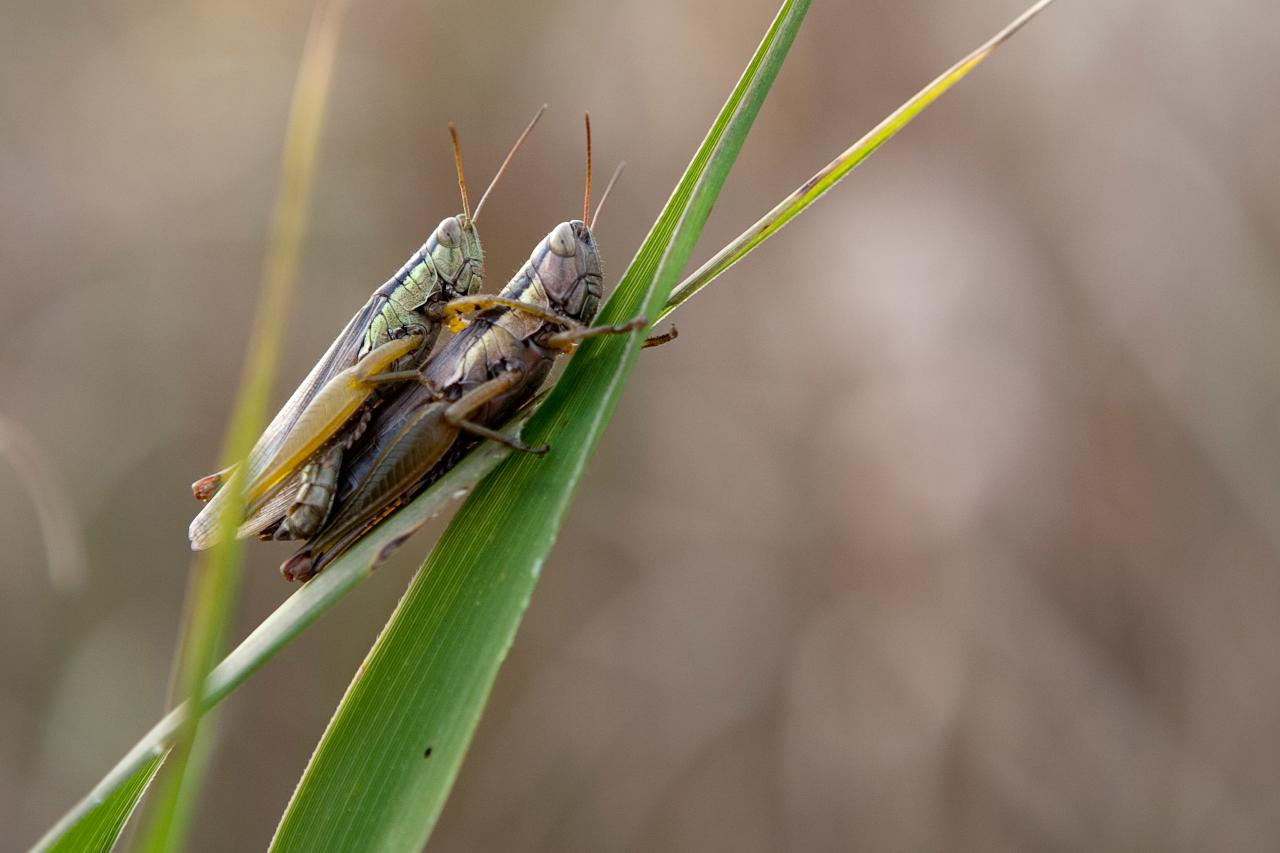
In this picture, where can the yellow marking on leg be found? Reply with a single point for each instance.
(470, 304)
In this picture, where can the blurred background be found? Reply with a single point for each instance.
(952, 521)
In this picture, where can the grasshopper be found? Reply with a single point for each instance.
(478, 379)
(301, 450)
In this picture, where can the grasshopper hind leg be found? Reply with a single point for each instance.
(311, 506)
(314, 500)
(457, 413)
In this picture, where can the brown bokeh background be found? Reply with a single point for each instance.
(952, 521)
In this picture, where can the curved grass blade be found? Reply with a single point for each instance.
(104, 820)
(388, 759)
(837, 169)
(95, 822)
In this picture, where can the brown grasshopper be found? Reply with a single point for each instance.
(477, 380)
(395, 331)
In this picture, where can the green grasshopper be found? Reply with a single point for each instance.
(394, 332)
(478, 379)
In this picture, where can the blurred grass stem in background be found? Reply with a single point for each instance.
(216, 580)
(55, 514)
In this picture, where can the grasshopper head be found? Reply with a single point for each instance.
(568, 267)
(455, 250)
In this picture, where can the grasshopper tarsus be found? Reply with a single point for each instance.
(664, 338)
(567, 339)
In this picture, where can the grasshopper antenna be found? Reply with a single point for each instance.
(586, 197)
(512, 153)
(608, 189)
(457, 162)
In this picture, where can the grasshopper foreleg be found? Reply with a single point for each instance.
(457, 412)
(664, 338)
(567, 340)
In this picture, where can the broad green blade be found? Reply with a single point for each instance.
(835, 171)
(95, 822)
(388, 759)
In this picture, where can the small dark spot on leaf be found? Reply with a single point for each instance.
(426, 753)
(390, 548)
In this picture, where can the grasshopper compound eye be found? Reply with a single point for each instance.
(449, 232)
(563, 241)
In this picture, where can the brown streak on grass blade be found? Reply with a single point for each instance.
(835, 171)
(217, 580)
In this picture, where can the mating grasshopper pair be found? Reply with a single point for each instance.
(330, 465)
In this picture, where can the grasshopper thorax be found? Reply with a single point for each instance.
(567, 265)
(454, 249)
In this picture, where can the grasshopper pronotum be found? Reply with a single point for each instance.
(394, 331)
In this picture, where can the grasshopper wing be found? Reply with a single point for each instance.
(400, 456)
(328, 412)
(342, 354)
(270, 510)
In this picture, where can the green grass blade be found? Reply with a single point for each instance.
(95, 822)
(388, 759)
(835, 171)
(104, 820)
